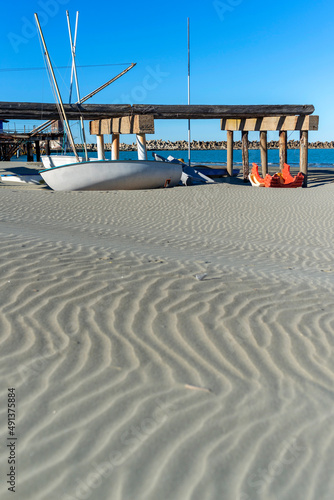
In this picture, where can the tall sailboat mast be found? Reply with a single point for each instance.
(62, 110)
(73, 47)
(189, 137)
(74, 70)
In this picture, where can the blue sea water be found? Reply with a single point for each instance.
(317, 157)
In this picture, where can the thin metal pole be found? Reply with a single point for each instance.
(74, 67)
(73, 49)
(75, 40)
(189, 136)
(91, 94)
(57, 89)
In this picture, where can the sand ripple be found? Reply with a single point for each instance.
(134, 379)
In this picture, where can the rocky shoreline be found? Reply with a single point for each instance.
(160, 145)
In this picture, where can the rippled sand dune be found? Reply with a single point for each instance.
(137, 381)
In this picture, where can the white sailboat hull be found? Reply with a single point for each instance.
(105, 175)
(50, 161)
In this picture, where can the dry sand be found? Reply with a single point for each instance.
(137, 381)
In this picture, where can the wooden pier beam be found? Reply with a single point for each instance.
(115, 147)
(44, 111)
(38, 151)
(30, 156)
(283, 148)
(47, 148)
(304, 155)
(271, 123)
(141, 146)
(230, 153)
(245, 158)
(264, 153)
(134, 124)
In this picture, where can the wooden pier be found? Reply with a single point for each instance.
(281, 124)
(139, 119)
(12, 142)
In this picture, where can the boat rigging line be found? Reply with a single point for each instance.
(59, 99)
(2, 70)
(189, 135)
(74, 72)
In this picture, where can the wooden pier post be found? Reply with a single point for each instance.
(100, 146)
(304, 155)
(30, 156)
(264, 152)
(47, 148)
(245, 158)
(141, 147)
(283, 148)
(230, 152)
(115, 147)
(38, 151)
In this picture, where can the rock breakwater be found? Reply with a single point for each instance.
(160, 145)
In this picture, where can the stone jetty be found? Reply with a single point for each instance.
(160, 145)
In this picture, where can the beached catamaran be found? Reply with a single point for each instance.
(103, 174)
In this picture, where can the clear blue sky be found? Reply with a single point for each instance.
(242, 52)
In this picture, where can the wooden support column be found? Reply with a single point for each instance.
(100, 147)
(230, 153)
(141, 147)
(264, 153)
(47, 148)
(245, 158)
(30, 156)
(304, 155)
(115, 147)
(38, 151)
(283, 148)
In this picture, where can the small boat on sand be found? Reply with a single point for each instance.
(71, 173)
(102, 175)
(279, 180)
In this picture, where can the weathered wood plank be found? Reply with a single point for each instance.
(48, 111)
(135, 124)
(42, 111)
(196, 111)
(272, 123)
